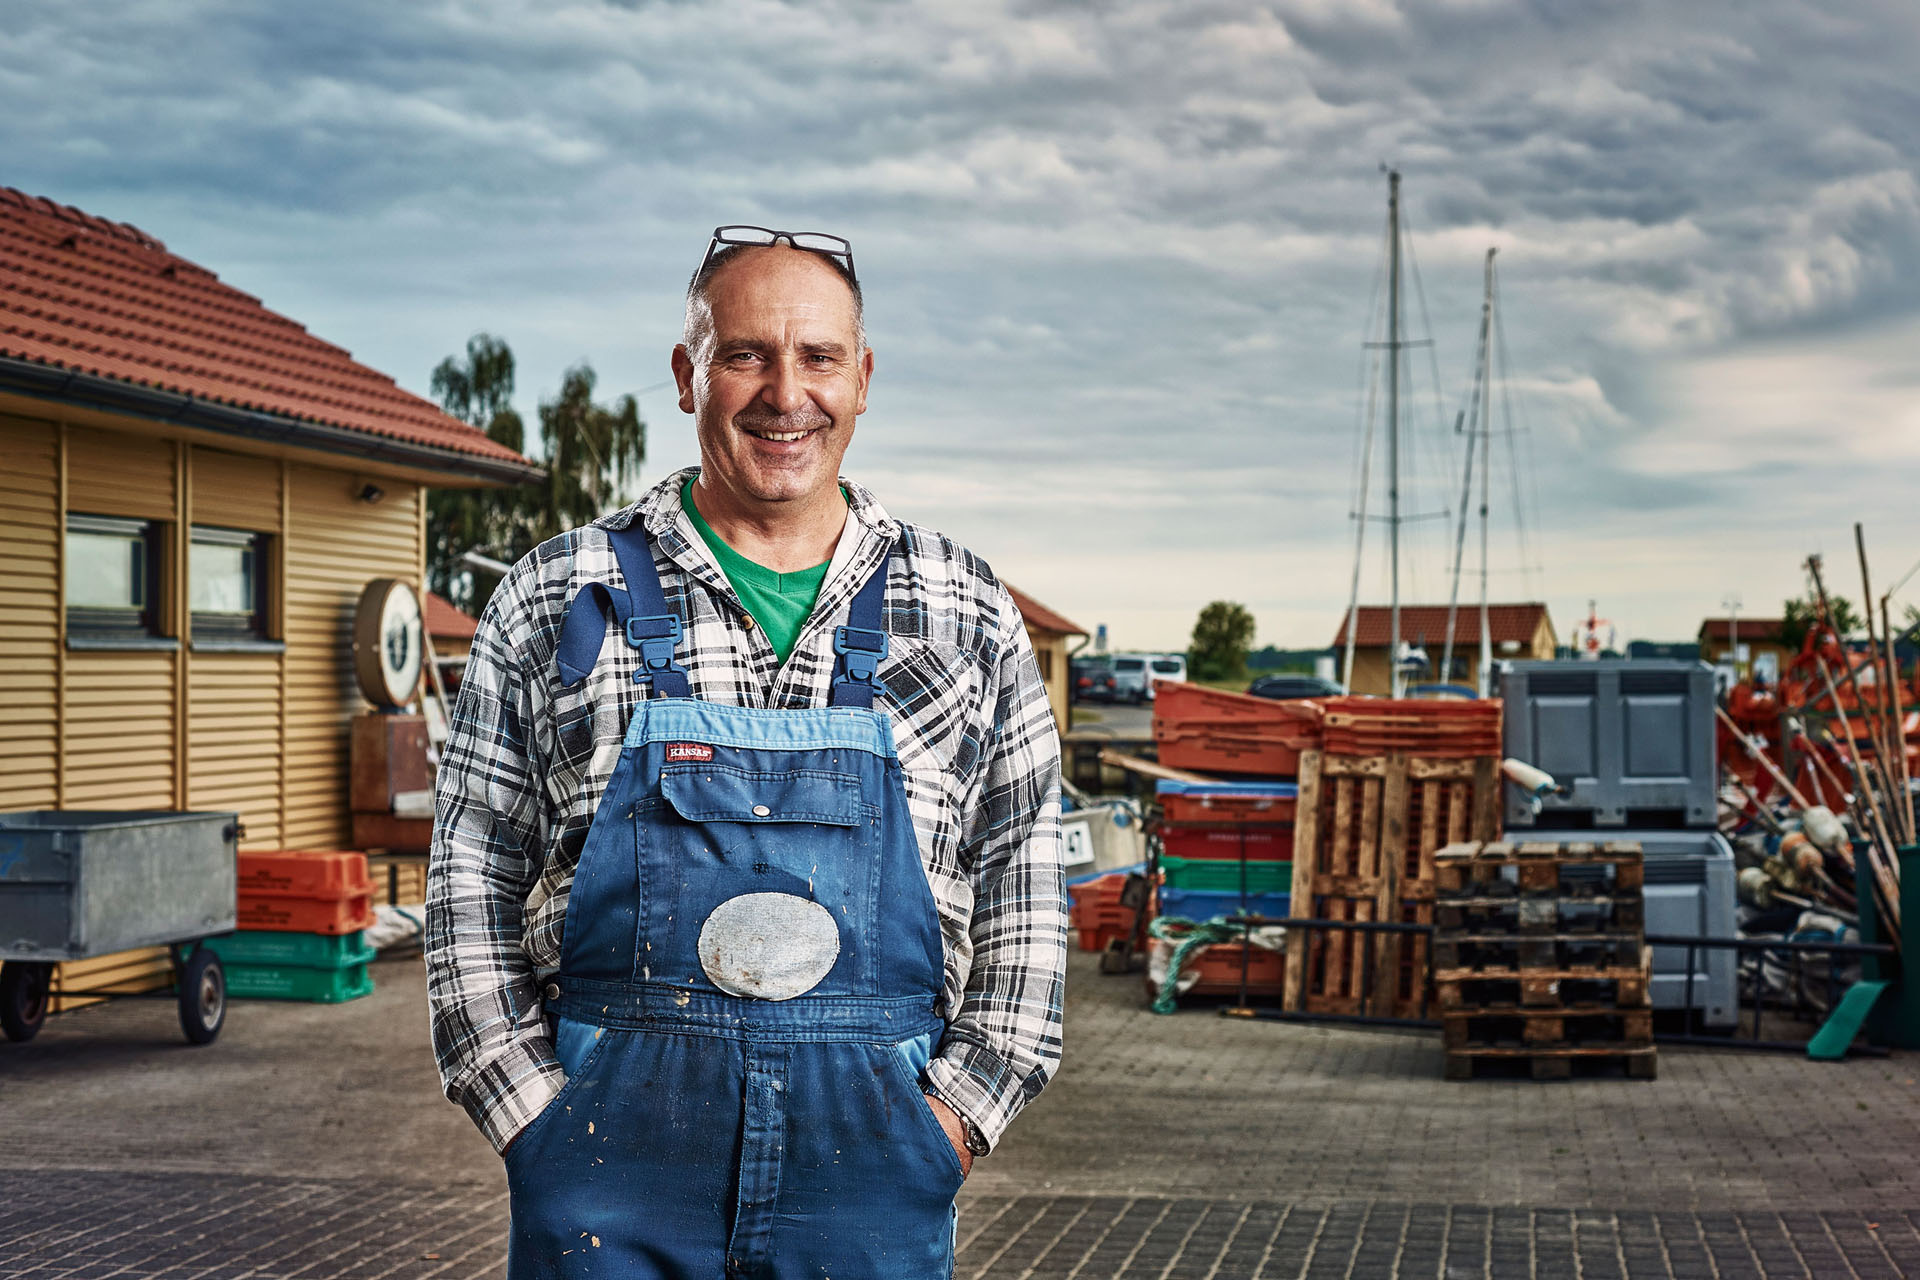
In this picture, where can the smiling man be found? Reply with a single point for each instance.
(745, 922)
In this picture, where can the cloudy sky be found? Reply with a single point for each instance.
(1119, 257)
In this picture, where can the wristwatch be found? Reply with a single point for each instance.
(976, 1141)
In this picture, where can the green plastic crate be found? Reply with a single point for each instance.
(295, 982)
(299, 950)
(1222, 875)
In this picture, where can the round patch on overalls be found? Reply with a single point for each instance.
(772, 946)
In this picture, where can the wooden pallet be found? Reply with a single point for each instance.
(1472, 868)
(1553, 1062)
(1496, 988)
(1563, 1025)
(1366, 833)
(1594, 950)
(1535, 912)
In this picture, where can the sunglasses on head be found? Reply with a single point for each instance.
(810, 241)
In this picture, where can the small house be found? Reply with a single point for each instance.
(1051, 634)
(1517, 631)
(1761, 650)
(194, 491)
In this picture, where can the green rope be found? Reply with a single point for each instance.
(1188, 937)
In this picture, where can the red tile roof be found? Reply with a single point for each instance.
(1427, 624)
(1756, 630)
(104, 298)
(447, 621)
(1039, 617)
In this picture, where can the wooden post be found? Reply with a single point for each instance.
(1306, 854)
(1395, 795)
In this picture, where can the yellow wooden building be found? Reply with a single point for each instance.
(193, 493)
(1518, 632)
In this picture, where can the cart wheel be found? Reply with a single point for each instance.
(23, 999)
(203, 997)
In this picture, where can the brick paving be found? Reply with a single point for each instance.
(311, 1142)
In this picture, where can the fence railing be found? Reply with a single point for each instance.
(1753, 985)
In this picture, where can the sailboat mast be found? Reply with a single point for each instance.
(1471, 413)
(1486, 472)
(1395, 684)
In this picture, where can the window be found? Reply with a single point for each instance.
(226, 587)
(113, 578)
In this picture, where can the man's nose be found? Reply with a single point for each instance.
(784, 390)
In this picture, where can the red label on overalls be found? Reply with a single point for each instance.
(689, 751)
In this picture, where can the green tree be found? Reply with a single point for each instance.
(1222, 634)
(1798, 616)
(592, 454)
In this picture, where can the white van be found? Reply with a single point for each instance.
(1166, 666)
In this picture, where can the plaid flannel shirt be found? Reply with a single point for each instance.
(526, 762)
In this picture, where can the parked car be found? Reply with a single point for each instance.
(1166, 666)
(1091, 679)
(1282, 687)
(1130, 678)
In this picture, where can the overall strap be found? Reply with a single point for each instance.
(640, 611)
(862, 643)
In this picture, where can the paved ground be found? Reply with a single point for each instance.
(311, 1142)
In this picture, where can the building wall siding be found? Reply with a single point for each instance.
(233, 721)
(30, 546)
(118, 738)
(335, 545)
(115, 474)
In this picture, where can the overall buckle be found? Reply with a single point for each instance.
(860, 650)
(655, 638)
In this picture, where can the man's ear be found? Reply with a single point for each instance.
(683, 376)
(866, 376)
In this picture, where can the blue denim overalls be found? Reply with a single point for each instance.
(747, 989)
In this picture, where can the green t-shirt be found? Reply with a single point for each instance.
(778, 602)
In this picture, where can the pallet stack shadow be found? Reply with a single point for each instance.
(302, 917)
(1393, 782)
(1540, 957)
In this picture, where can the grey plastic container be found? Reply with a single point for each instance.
(75, 884)
(1635, 740)
(1689, 877)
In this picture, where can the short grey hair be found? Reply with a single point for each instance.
(697, 330)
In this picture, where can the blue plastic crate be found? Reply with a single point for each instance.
(1201, 904)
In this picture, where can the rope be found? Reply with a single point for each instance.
(1188, 937)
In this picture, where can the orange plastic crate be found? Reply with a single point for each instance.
(290, 874)
(1176, 701)
(1211, 752)
(1216, 808)
(1219, 970)
(328, 916)
(1096, 911)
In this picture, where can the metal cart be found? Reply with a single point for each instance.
(77, 884)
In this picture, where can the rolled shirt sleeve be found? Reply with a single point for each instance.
(1004, 1042)
(490, 826)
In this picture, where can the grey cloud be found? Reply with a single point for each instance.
(1128, 247)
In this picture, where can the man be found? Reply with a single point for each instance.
(745, 923)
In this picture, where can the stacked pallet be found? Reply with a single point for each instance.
(302, 917)
(1364, 845)
(1540, 957)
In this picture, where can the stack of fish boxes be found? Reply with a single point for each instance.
(302, 916)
